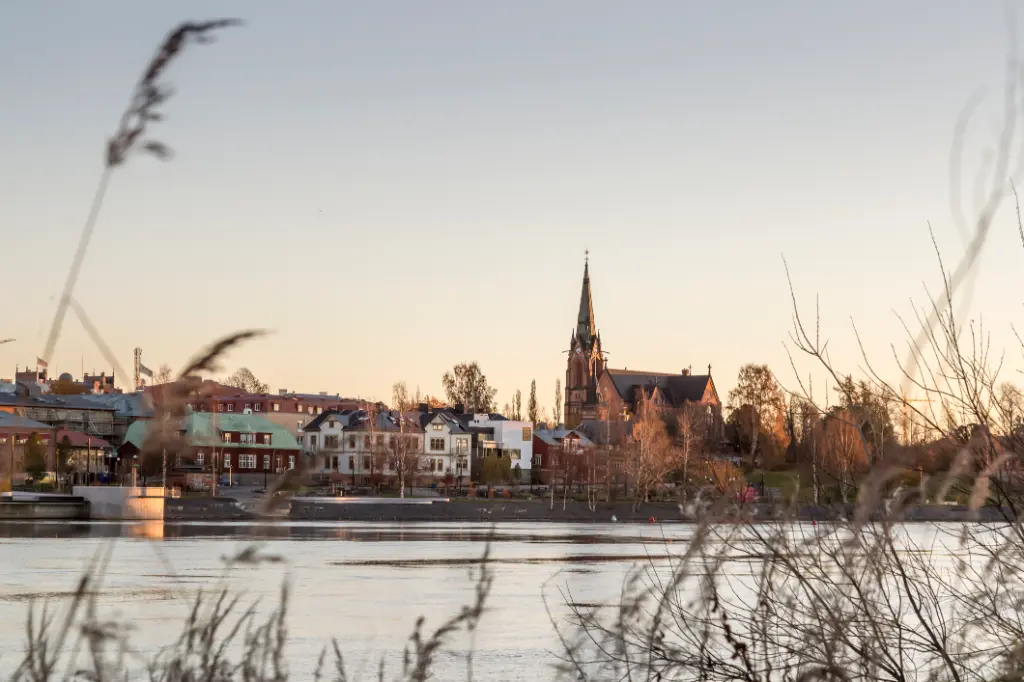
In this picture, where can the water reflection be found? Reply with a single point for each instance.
(345, 532)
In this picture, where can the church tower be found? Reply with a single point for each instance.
(586, 361)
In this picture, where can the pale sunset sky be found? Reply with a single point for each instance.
(395, 187)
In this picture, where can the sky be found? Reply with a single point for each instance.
(395, 187)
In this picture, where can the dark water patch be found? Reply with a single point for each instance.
(118, 595)
(570, 559)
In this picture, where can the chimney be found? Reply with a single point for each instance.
(459, 408)
(422, 407)
(282, 391)
(686, 372)
(323, 394)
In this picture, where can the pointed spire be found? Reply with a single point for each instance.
(585, 327)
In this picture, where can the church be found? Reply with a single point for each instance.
(596, 392)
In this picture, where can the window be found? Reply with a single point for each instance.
(266, 462)
(352, 442)
(319, 410)
(247, 461)
(439, 427)
(312, 443)
(291, 461)
(227, 437)
(276, 407)
(331, 442)
(330, 423)
(200, 458)
(432, 460)
(279, 462)
(299, 408)
(247, 439)
(437, 444)
(266, 438)
(366, 443)
(527, 435)
(227, 460)
(220, 407)
(351, 463)
(366, 462)
(380, 440)
(258, 407)
(248, 406)
(461, 446)
(231, 407)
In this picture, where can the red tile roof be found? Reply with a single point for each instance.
(82, 440)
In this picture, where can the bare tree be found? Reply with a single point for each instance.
(404, 458)
(557, 405)
(164, 374)
(245, 380)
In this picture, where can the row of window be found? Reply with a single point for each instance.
(258, 407)
(247, 461)
(247, 438)
(431, 464)
(333, 442)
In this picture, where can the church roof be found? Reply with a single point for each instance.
(586, 330)
(678, 388)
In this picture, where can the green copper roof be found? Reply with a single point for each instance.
(205, 428)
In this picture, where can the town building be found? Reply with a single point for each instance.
(245, 448)
(292, 411)
(77, 413)
(89, 458)
(499, 436)
(551, 448)
(595, 392)
(15, 435)
(447, 446)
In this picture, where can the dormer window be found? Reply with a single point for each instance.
(231, 407)
(227, 436)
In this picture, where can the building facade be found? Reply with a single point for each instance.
(244, 448)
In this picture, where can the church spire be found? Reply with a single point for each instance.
(585, 327)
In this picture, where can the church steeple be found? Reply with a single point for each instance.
(585, 327)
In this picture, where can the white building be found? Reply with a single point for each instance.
(347, 443)
(512, 437)
(446, 447)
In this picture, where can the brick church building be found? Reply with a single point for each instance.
(594, 391)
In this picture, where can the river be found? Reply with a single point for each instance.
(365, 584)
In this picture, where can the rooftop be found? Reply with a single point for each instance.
(13, 421)
(205, 429)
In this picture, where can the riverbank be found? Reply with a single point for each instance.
(425, 510)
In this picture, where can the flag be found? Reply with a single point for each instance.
(145, 370)
(40, 362)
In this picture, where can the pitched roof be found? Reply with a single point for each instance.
(556, 436)
(205, 428)
(13, 421)
(77, 439)
(678, 388)
(585, 327)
